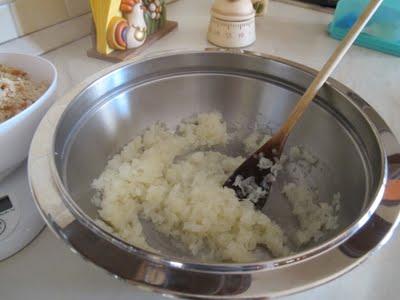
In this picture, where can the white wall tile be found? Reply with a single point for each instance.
(77, 7)
(32, 15)
(8, 28)
(47, 39)
(5, 1)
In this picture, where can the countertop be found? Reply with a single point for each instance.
(47, 269)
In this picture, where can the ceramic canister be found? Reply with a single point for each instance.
(232, 23)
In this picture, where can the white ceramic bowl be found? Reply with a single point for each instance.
(16, 133)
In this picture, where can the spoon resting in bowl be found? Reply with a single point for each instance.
(273, 148)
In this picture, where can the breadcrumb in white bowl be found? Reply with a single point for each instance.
(18, 122)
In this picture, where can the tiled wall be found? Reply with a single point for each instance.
(20, 17)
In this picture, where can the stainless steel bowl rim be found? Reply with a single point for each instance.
(224, 267)
(261, 283)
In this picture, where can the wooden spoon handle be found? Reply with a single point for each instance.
(327, 69)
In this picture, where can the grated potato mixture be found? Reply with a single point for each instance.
(169, 179)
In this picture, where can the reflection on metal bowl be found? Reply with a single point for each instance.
(249, 90)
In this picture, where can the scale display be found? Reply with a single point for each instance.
(5, 204)
(20, 221)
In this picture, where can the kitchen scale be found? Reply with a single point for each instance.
(20, 221)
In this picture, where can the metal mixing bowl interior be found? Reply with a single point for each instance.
(251, 92)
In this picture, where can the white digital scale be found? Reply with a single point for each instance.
(20, 221)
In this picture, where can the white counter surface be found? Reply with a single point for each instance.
(48, 270)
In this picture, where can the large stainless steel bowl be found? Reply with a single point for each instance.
(250, 91)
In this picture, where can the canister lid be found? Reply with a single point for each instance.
(233, 10)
